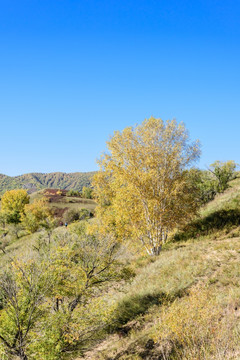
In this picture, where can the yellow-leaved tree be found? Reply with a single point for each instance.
(143, 188)
(12, 205)
(36, 215)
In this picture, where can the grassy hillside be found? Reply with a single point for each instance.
(230, 199)
(185, 304)
(219, 217)
(181, 305)
(37, 181)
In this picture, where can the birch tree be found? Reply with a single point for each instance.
(143, 188)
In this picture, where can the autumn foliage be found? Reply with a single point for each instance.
(12, 205)
(143, 188)
(35, 215)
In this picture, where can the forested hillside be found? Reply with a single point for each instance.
(38, 181)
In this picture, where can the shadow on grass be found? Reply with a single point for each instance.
(134, 305)
(217, 221)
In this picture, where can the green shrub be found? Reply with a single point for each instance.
(85, 214)
(71, 215)
(73, 193)
(87, 192)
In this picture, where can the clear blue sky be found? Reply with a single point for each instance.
(73, 71)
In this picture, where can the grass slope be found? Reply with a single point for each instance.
(185, 304)
(182, 305)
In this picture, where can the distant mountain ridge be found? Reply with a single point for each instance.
(37, 181)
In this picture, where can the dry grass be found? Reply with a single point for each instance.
(185, 305)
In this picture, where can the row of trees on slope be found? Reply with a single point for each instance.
(86, 193)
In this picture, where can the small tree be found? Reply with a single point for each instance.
(52, 301)
(85, 214)
(87, 192)
(205, 184)
(81, 262)
(13, 203)
(143, 189)
(71, 215)
(22, 289)
(36, 215)
(223, 173)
